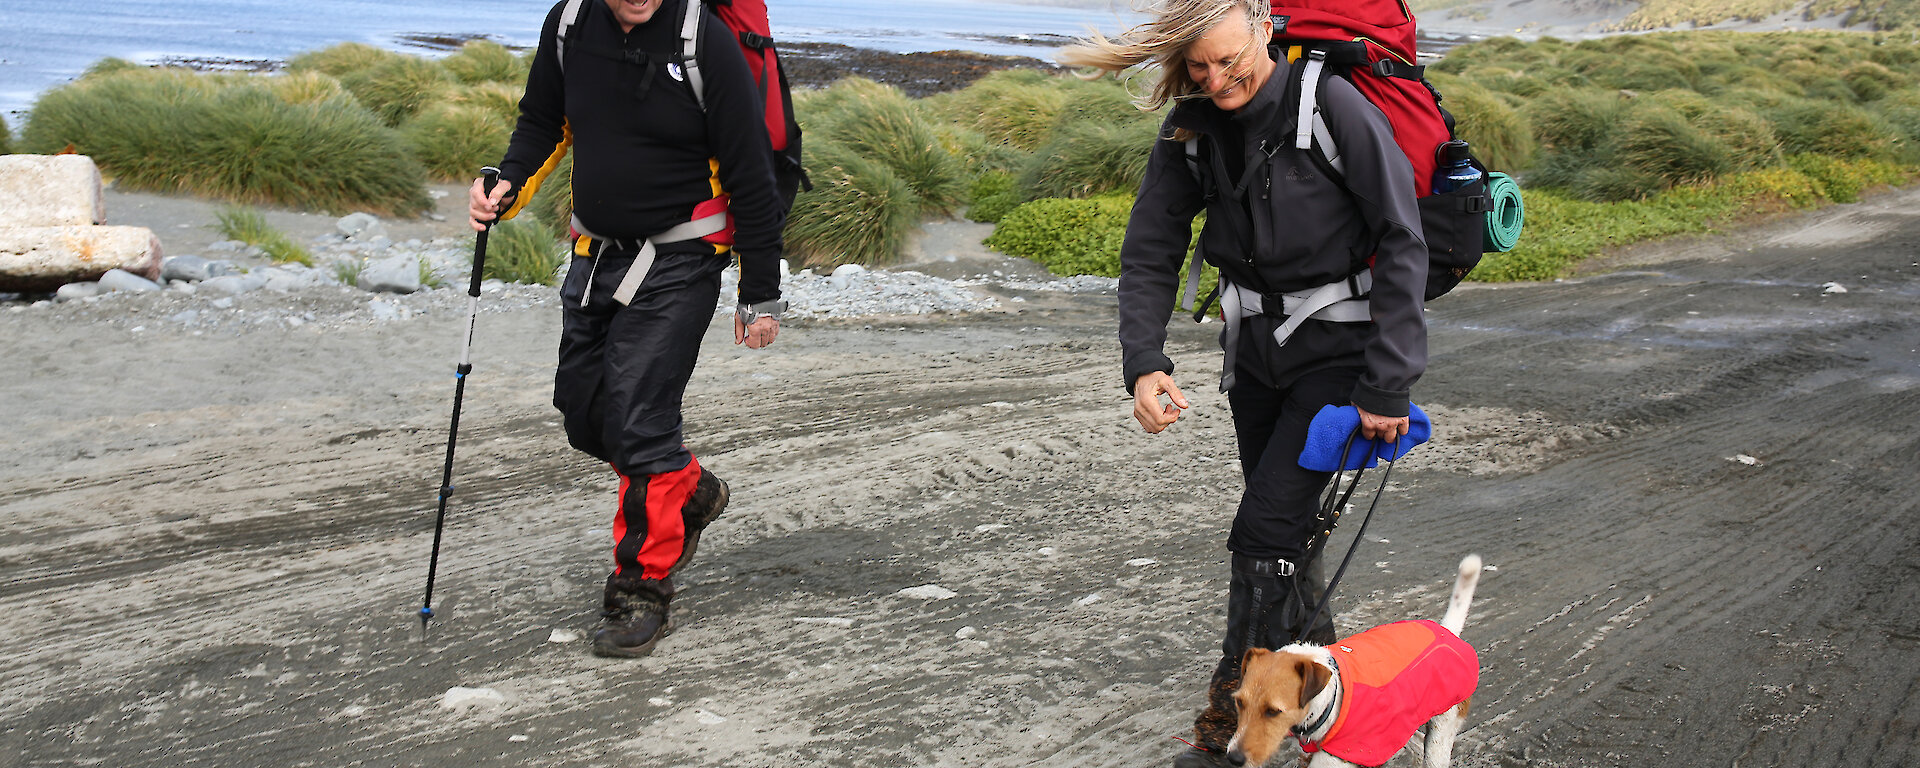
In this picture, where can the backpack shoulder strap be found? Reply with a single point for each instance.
(1310, 126)
(692, 19)
(569, 18)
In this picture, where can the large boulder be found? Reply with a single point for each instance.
(45, 258)
(399, 273)
(50, 191)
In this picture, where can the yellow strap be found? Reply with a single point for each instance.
(532, 186)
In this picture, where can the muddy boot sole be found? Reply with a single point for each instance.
(603, 643)
(692, 540)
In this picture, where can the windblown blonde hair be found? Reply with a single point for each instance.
(1162, 44)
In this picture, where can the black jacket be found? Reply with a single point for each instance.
(1282, 224)
(644, 154)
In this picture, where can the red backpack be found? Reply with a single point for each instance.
(1371, 44)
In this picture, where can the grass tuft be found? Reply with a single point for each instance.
(247, 225)
(455, 140)
(859, 211)
(879, 123)
(523, 250)
(485, 61)
(1088, 158)
(399, 88)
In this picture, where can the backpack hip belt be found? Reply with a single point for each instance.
(1341, 301)
(644, 251)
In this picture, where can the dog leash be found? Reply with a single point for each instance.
(1330, 511)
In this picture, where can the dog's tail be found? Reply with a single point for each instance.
(1456, 618)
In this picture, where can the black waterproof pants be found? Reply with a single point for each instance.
(1277, 509)
(621, 379)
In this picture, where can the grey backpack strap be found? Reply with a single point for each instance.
(691, 14)
(1310, 126)
(569, 18)
(1193, 267)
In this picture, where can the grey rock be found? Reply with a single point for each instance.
(224, 302)
(379, 242)
(394, 274)
(122, 280)
(229, 285)
(82, 290)
(183, 287)
(360, 226)
(185, 267)
(219, 267)
(280, 279)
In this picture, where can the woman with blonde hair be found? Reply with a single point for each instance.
(1322, 273)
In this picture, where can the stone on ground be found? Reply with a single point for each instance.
(394, 274)
(50, 191)
(45, 258)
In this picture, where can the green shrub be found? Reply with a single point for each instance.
(454, 140)
(1842, 180)
(1088, 158)
(398, 88)
(6, 137)
(305, 88)
(342, 60)
(1499, 134)
(523, 250)
(500, 100)
(247, 225)
(992, 195)
(979, 155)
(484, 61)
(1068, 237)
(230, 138)
(879, 123)
(859, 211)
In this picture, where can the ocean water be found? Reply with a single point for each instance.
(44, 43)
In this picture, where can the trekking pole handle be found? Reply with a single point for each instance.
(489, 176)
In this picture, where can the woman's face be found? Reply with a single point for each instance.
(1230, 61)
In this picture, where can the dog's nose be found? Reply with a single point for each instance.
(1237, 757)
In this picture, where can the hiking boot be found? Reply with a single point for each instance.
(708, 500)
(636, 617)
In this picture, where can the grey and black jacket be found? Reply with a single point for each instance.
(1277, 222)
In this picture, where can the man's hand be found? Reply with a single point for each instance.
(758, 335)
(1153, 415)
(482, 208)
(1386, 429)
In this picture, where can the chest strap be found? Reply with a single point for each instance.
(1343, 301)
(644, 251)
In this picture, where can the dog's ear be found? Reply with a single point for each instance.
(1251, 654)
(1313, 680)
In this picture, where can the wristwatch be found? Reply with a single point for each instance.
(751, 312)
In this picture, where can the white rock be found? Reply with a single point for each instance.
(928, 592)
(834, 621)
(848, 269)
(563, 636)
(708, 718)
(122, 280)
(659, 701)
(1088, 600)
(81, 290)
(1046, 551)
(462, 698)
(1141, 562)
(50, 191)
(1743, 459)
(45, 258)
(989, 527)
(966, 632)
(517, 738)
(399, 273)
(1833, 288)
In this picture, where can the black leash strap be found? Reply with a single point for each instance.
(1329, 511)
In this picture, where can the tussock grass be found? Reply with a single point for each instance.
(399, 88)
(881, 124)
(1087, 158)
(341, 60)
(1013, 107)
(859, 211)
(524, 250)
(6, 137)
(247, 225)
(484, 61)
(229, 137)
(453, 141)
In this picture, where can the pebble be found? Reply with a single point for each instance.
(928, 592)
(122, 280)
(464, 698)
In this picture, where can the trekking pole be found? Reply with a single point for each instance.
(489, 175)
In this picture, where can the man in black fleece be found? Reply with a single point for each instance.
(651, 171)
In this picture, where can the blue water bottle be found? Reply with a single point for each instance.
(1455, 169)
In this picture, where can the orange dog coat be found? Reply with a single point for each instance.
(1393, 678)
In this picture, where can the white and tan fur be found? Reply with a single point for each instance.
(1300, 684)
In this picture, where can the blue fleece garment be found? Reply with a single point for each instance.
(1333, 425)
